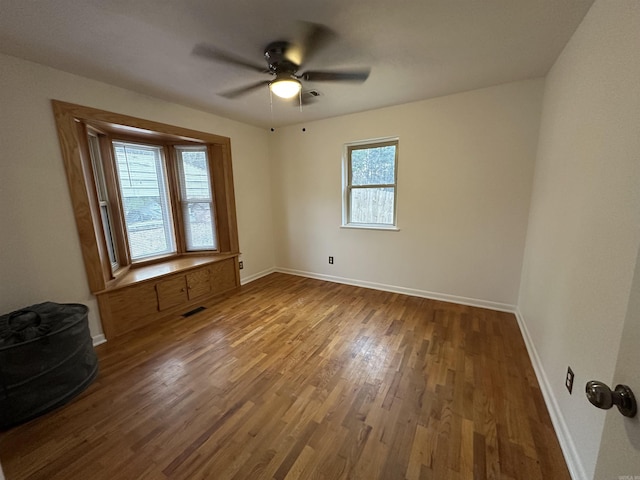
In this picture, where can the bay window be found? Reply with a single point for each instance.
(144, 192)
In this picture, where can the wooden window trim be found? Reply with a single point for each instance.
(71, 121)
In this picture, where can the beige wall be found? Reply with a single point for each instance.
(40, 257)
(464, 181)
(584, 233)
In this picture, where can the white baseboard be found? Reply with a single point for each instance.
(473, 302)
(256, 276)
(99, 340)
(576, 469)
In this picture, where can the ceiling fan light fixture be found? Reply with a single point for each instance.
(285, 86)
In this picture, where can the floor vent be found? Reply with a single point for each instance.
(193, 312)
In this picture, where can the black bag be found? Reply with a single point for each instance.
(46, 358)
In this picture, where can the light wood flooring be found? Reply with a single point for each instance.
(295, 378)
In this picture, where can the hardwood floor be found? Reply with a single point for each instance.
(294, 378)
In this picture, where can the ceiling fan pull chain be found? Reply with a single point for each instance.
(271, 103)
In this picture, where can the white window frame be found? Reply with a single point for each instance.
(185, 202)
(347, 186)
(103, 199)
(162, 174)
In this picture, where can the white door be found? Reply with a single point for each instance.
(619, 456)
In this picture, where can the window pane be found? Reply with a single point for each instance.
(143, 187)
(199, 226)
(197, 201)
(101, 190)
(372, 205)
(106, 226)
(373, 166)
(98, 170)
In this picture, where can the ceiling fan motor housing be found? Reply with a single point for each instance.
(276, 54)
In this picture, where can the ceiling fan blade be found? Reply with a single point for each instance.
(207, 51)
(307, 99)
(314, 37)
(237, 92)
(353, 76)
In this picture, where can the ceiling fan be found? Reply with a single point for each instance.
(284, 60)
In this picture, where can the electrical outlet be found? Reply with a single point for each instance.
(330, 260)
(240, 264)
(569, 380)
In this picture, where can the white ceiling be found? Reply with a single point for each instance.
(416, 49)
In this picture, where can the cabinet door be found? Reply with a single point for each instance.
(171, 292)
(224, 275)
(198, 283)
(126, 309)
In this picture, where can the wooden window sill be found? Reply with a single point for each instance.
(155, 271)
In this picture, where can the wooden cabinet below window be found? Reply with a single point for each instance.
(180, 289)
(150, 293)
(199, 282)
(172, 292)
